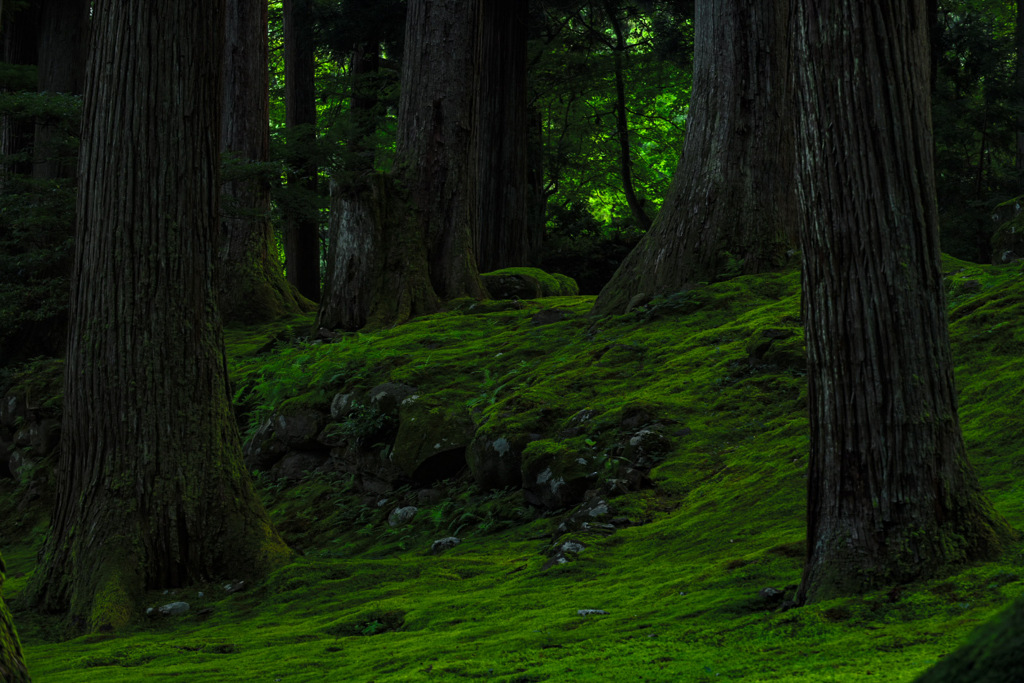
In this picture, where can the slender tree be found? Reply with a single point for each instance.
(301, 231)
(151, 490)
(251, 284)
(891, 495)
(500, 142)
(732, 205)
(12, 661)
(1018, 42)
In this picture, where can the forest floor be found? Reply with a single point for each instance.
(682, 585)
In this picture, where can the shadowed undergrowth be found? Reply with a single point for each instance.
(683, 585)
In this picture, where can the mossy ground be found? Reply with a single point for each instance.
(722, 367)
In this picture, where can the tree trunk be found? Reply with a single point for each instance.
(21, 41)
(12, 661)
(636, 205)
(434, 130)
(362, 203)
(1018, 41)
(301, 232)
(151, 490)
(63, 47)
(251, 284)
(891, 495)
(732, 207)
(500, 137)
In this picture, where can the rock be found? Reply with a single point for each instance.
(556, 474)
(296, 466)
(42, 437)
(549, 316)
(563, 553)
(21, 462)
(634, 417)
(264, 449)
(299, 430)
(341, 406)
(173, 609)
(431, 441)
(590, 612)
(577, 423)
(442, 544)
(11, 408)
(528, 283)
(429, 496)
(388, 397)
(234, 587)
(401, 516)
(645, 445)
(496, 461)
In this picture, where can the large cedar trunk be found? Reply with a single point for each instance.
(891, 495)
(251, 284)
(63, 46)
(500, 142)
(366, 275)
(434, 135)
(12, 661)
(1018, 42)
(301, 230)
(151, 490)
(732, 206)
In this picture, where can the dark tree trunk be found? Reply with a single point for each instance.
(12, 661)
(21, 46)
(636, 205)
(301, 231)
(151, 490)
(434, 130)
(1018, 41)
(500, 144)
(891, 495)
(251, 283)
(402, 243)
(536, 198)
(63, 47)
(732, 206)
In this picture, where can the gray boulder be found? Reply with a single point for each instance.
(296, 466)
(299, 430)
(388, 397)
(442, 544)
(264, 449)
(401, 516)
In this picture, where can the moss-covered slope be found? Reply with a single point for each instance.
(691, 568)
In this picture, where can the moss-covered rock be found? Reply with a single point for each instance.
(556, 474)
(1008, 241)
(495, 460)
(528, 283)
(432, 439)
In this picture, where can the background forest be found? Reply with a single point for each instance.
(514, 386)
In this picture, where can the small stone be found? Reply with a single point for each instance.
(150, 611)
(200, 593)
(234, 587)
(403, 515)
(590, 612)
(574, 547)
(173, 609)
(442, 544)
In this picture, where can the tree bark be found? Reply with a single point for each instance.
(732, 207)
(151, 490)
(63, 47)
(500, 137)
(1018, 42)
(891, 495)
(12, 660)
(21, 46)
(251, 285)
(434, 131)
(301, 232)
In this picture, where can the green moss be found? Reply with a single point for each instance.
(528, 283)
(724, 520)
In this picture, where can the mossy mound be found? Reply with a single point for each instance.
(528, 283)
(702, 392)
